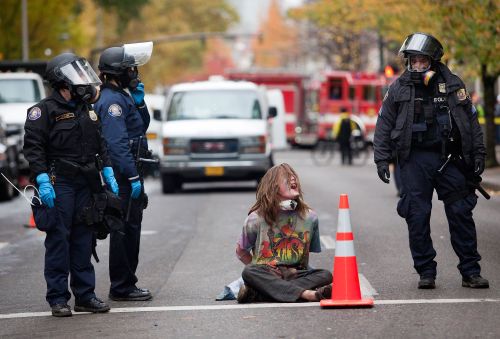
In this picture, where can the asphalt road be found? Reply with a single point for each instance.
(188, 256)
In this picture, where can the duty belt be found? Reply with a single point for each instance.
(66, 168)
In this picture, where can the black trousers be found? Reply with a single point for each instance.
(68, 245)
(346, 152)
(124, 248)
(419, 179)
(284, 284)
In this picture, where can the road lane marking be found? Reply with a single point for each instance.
(365, 286)
(3, 244)
(251, 306)
(327, 242)
(148, 232)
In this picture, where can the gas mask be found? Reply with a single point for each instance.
(419, 67)
(130, 78)
(85, 93)
(288, 205)
(422, 77)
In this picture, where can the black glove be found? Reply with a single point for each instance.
(383, 171)
(478, 166)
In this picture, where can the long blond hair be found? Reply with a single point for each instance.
(267, 196)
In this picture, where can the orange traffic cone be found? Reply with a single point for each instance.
(346, 291)
(31, 223)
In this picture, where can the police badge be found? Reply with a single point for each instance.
(93, 116)
(442, 87)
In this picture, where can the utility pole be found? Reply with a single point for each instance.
(24, 29)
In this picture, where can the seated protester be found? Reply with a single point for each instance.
(280, 231)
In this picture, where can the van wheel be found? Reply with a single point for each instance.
(7, 192)
(271, 160)
(258, 178)
(170, 183)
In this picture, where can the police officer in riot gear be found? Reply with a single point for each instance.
(125, 119)
(62, 136)
(427, 118)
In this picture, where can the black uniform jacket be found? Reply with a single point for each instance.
(394, 124)
(56, 129)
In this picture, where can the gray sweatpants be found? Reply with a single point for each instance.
(284, 284)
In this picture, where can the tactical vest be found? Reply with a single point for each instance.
(432, 124)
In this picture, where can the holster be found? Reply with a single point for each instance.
(473, 180)
(103, 214)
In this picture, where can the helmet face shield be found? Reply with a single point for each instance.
(421, 43)
(137, 54)
(79, 72)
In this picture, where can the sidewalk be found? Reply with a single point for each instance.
(491, 179)
(491, 176)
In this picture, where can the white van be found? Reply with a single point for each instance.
(18, 92)
(214, 131)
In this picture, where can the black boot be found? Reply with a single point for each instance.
(427, 283)
(475, 281)
(94, 305)
(138, 294)
(61, 310)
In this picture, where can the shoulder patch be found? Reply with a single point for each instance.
(115, 110)
(461, 94)
(34, 113)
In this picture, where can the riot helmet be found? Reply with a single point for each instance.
(121, 62)
(424, 44)
(420, 51)
(67, 70)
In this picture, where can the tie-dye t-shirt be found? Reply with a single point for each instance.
(286, 243)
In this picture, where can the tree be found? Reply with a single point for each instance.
(276, 48)
(125, 10)
(53, 26)
(468, 30)
(471, 28)
(158, 18)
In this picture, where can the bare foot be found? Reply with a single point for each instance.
(309, 295)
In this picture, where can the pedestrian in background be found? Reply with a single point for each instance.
(277, 236)
(62, 136)
(125, 119)
(428, 118)
(342, 133)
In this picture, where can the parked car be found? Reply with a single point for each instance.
(215, 131)
(8, 166)
(18, 92)
(156, 103)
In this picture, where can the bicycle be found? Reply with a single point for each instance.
(361, 149)
(323, 153)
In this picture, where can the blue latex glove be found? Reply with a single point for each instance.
(136, 189)
(138, 94)
(46, 190)
(109, 177)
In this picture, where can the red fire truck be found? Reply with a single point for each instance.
(356, 92)
(291, 85)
